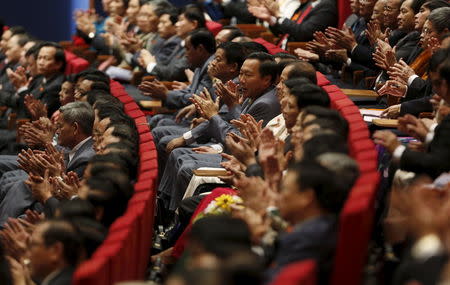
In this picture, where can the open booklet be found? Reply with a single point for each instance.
(370, 114)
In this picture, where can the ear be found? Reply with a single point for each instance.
(195, 23)
(57, 251)
(234, 67)
(76, 127)
(308, 197)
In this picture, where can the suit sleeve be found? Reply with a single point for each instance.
(416, 106)
(172, 71)
(325, 16)
(177, 99)
(435, 161)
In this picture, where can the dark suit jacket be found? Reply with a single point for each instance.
(419, 88)
(7, 90)
(436, 159)
(172, 68)
(263, 108)
(312, 239)
(416, 106)
(177, 99)
(319, 18)
(47, 92)
(164, 48)
(62, 278)
(407, 45)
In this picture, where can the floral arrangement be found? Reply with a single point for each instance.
(221, 205)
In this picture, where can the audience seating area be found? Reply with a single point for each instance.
(129, 239)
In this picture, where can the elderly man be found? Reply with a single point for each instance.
(74, 129)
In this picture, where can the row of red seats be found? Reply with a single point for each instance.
(74, 64)
(125, 253)
(356, 219)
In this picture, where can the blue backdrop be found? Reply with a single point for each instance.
(45, 19)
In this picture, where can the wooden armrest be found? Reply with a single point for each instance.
(66, 44)
(386, 123)
(358, 75)
(362, 93)
(148, 104)
(210, 172)
(292, 46)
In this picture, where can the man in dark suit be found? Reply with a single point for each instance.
(305, 203)
(310, 17)
(200, 47)
(74, 133)
(55, 251)
(436, 159)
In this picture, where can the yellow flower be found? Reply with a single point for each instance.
(224, 201)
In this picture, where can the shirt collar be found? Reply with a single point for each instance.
(49, 277)
(77, 147)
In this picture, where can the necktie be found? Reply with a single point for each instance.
(298, 18)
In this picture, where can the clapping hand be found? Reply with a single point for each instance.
(240, 149)
(205, 104)
(227, 93)
(393, 88)
(154, 89)
(35, 107)
(387, 139)
(402, 71)
(18, 78)
(145, 58)
(343, 38)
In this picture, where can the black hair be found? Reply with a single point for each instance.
(309, 94)
(100, 75)
(437, 59)
(267, 66)
(194, 13)
(173, 14)
(160, 7)
(66, 233)
(444, 70)
(204, 38)
(22, 39)
(340, 127)
(326, 113)
(15, 30)
(234, 32)
(60, 56)
(70, 78)
(101, 97)
(123, 160)
(92, 233)
(125, 132)
(416, 4)
(435, 4)
(252, 47)
(34, 50)
(221, 235)
(302, 69)
(109, 190)
(322, 143)
(313, 176)
(76, 208)
(285, 55)
(98, 85)
(282, 63)
(233, 53)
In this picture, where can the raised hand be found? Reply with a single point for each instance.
(145, 58)
(387, 139)
(342, 38)
(393, 88)
(336, 55)
(41, 187)
(401, 70)
(154, 89)
(241, 149)
(260, 12)
(185, 113)
(306, 55)
(207, 107)
(227, 93)
(18, 78)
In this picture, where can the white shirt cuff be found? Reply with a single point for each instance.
(398, 152)
(430, 135)
(21, 89)
(411, 79)
(349, 61)
(280, 20)
(150, 67)
(187, 135)
(217, 147)
(353, 49)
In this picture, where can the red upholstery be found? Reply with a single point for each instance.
(271, 48)
(303, 272)
(125, 253)
(74, 64)
(321, 79)
(213, 27)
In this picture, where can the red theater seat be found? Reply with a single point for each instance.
(303, 272)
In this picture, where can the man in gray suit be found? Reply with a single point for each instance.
(256, 82)
(74, 133)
